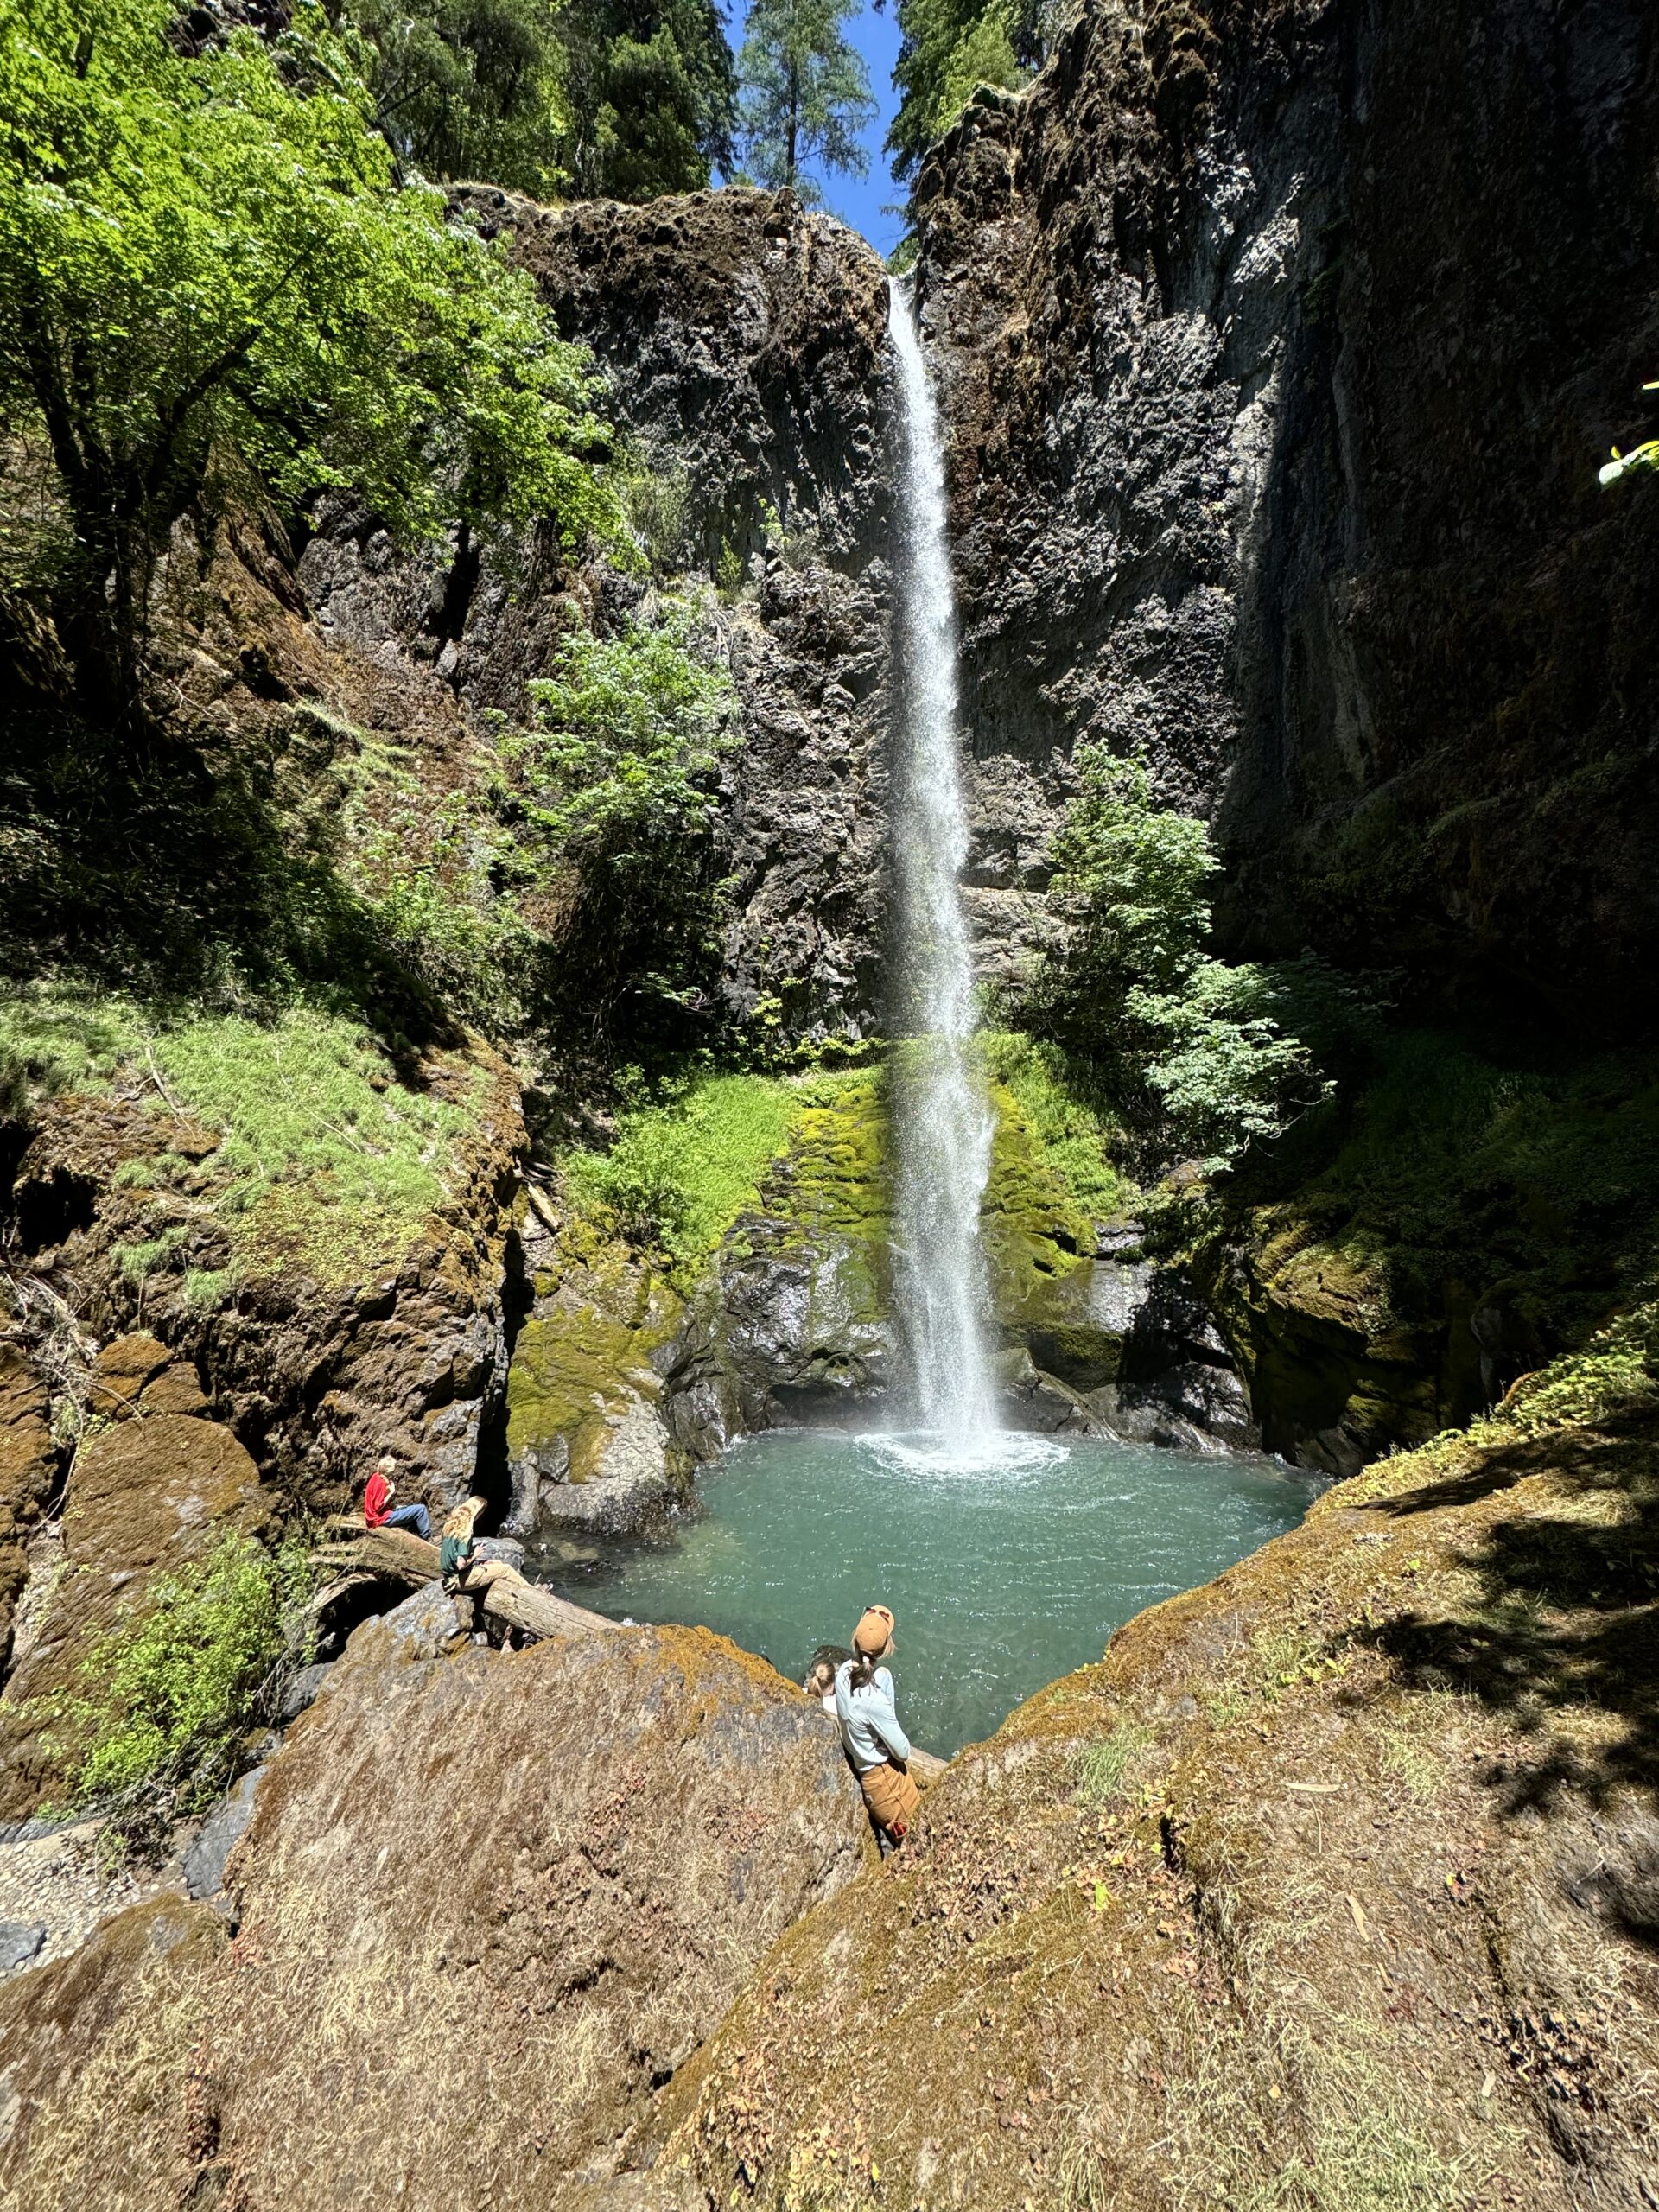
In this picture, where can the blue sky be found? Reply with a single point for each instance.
(860, 201)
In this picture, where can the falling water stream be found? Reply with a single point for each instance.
(1008, 1558)
(941, 1115)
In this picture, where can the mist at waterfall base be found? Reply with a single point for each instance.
(1003, 1576)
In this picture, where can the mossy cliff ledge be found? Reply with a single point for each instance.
(324, 1232)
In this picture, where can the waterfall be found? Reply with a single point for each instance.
(941, 1115)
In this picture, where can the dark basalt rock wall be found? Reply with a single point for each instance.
(743, 345)
(1280, 344)
(744, 342)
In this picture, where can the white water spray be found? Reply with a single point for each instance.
(942, 1117)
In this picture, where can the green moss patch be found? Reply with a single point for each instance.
(328, 1158)
(682, 1170)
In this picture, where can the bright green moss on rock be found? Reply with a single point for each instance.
(329, 1157)
(586, 1350)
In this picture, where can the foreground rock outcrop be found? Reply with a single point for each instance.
(487, 1903)
(1334, 1884)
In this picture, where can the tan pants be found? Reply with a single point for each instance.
(892, 1796)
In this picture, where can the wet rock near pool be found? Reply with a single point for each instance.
(787, 1330)
(526, 1884)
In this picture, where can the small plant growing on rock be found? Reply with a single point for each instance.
(1640, 457)
(168, 1700)
(1202, 1054)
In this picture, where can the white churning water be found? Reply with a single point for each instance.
(942, 1117)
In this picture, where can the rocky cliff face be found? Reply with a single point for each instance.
(742, 341)
(403, 1347)
(1275, 404)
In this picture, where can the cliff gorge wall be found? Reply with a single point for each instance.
(743, 344)
(1279, 343)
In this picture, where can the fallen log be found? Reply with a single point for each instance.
(504, 1594)
(392, 1553)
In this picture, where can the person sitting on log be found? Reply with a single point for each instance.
(378, 1511)
(457, 1549)
(875, 1744)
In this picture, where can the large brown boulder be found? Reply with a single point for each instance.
(145, 1496)
(489, 1903)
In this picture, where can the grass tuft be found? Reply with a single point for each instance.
(682, 1170)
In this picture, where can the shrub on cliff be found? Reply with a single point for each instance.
(617, 786)
(207, 268)
(1203, 1055)
(167, 1702)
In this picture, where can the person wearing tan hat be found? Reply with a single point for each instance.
(875, 1744)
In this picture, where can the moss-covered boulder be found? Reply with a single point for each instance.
(489, 1903)
(794, 1319)
(1336, 1376)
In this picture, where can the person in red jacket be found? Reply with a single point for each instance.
(378, 1511)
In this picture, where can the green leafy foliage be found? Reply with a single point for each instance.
(682, 1167)
(617, 784)
(950, 47)
(1201, 1054)
(651, 93)
(630, 729)
(805, 92)
(468, 88)
(1137, 878)
(207, 256)
(168, 1699)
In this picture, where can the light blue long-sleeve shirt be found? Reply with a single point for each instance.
(869, 1719)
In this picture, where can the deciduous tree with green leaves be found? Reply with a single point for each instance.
(805, 92)
(207, 259)
(617, 783)
(1201, 1053)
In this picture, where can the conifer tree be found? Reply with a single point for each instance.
(805, 92)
